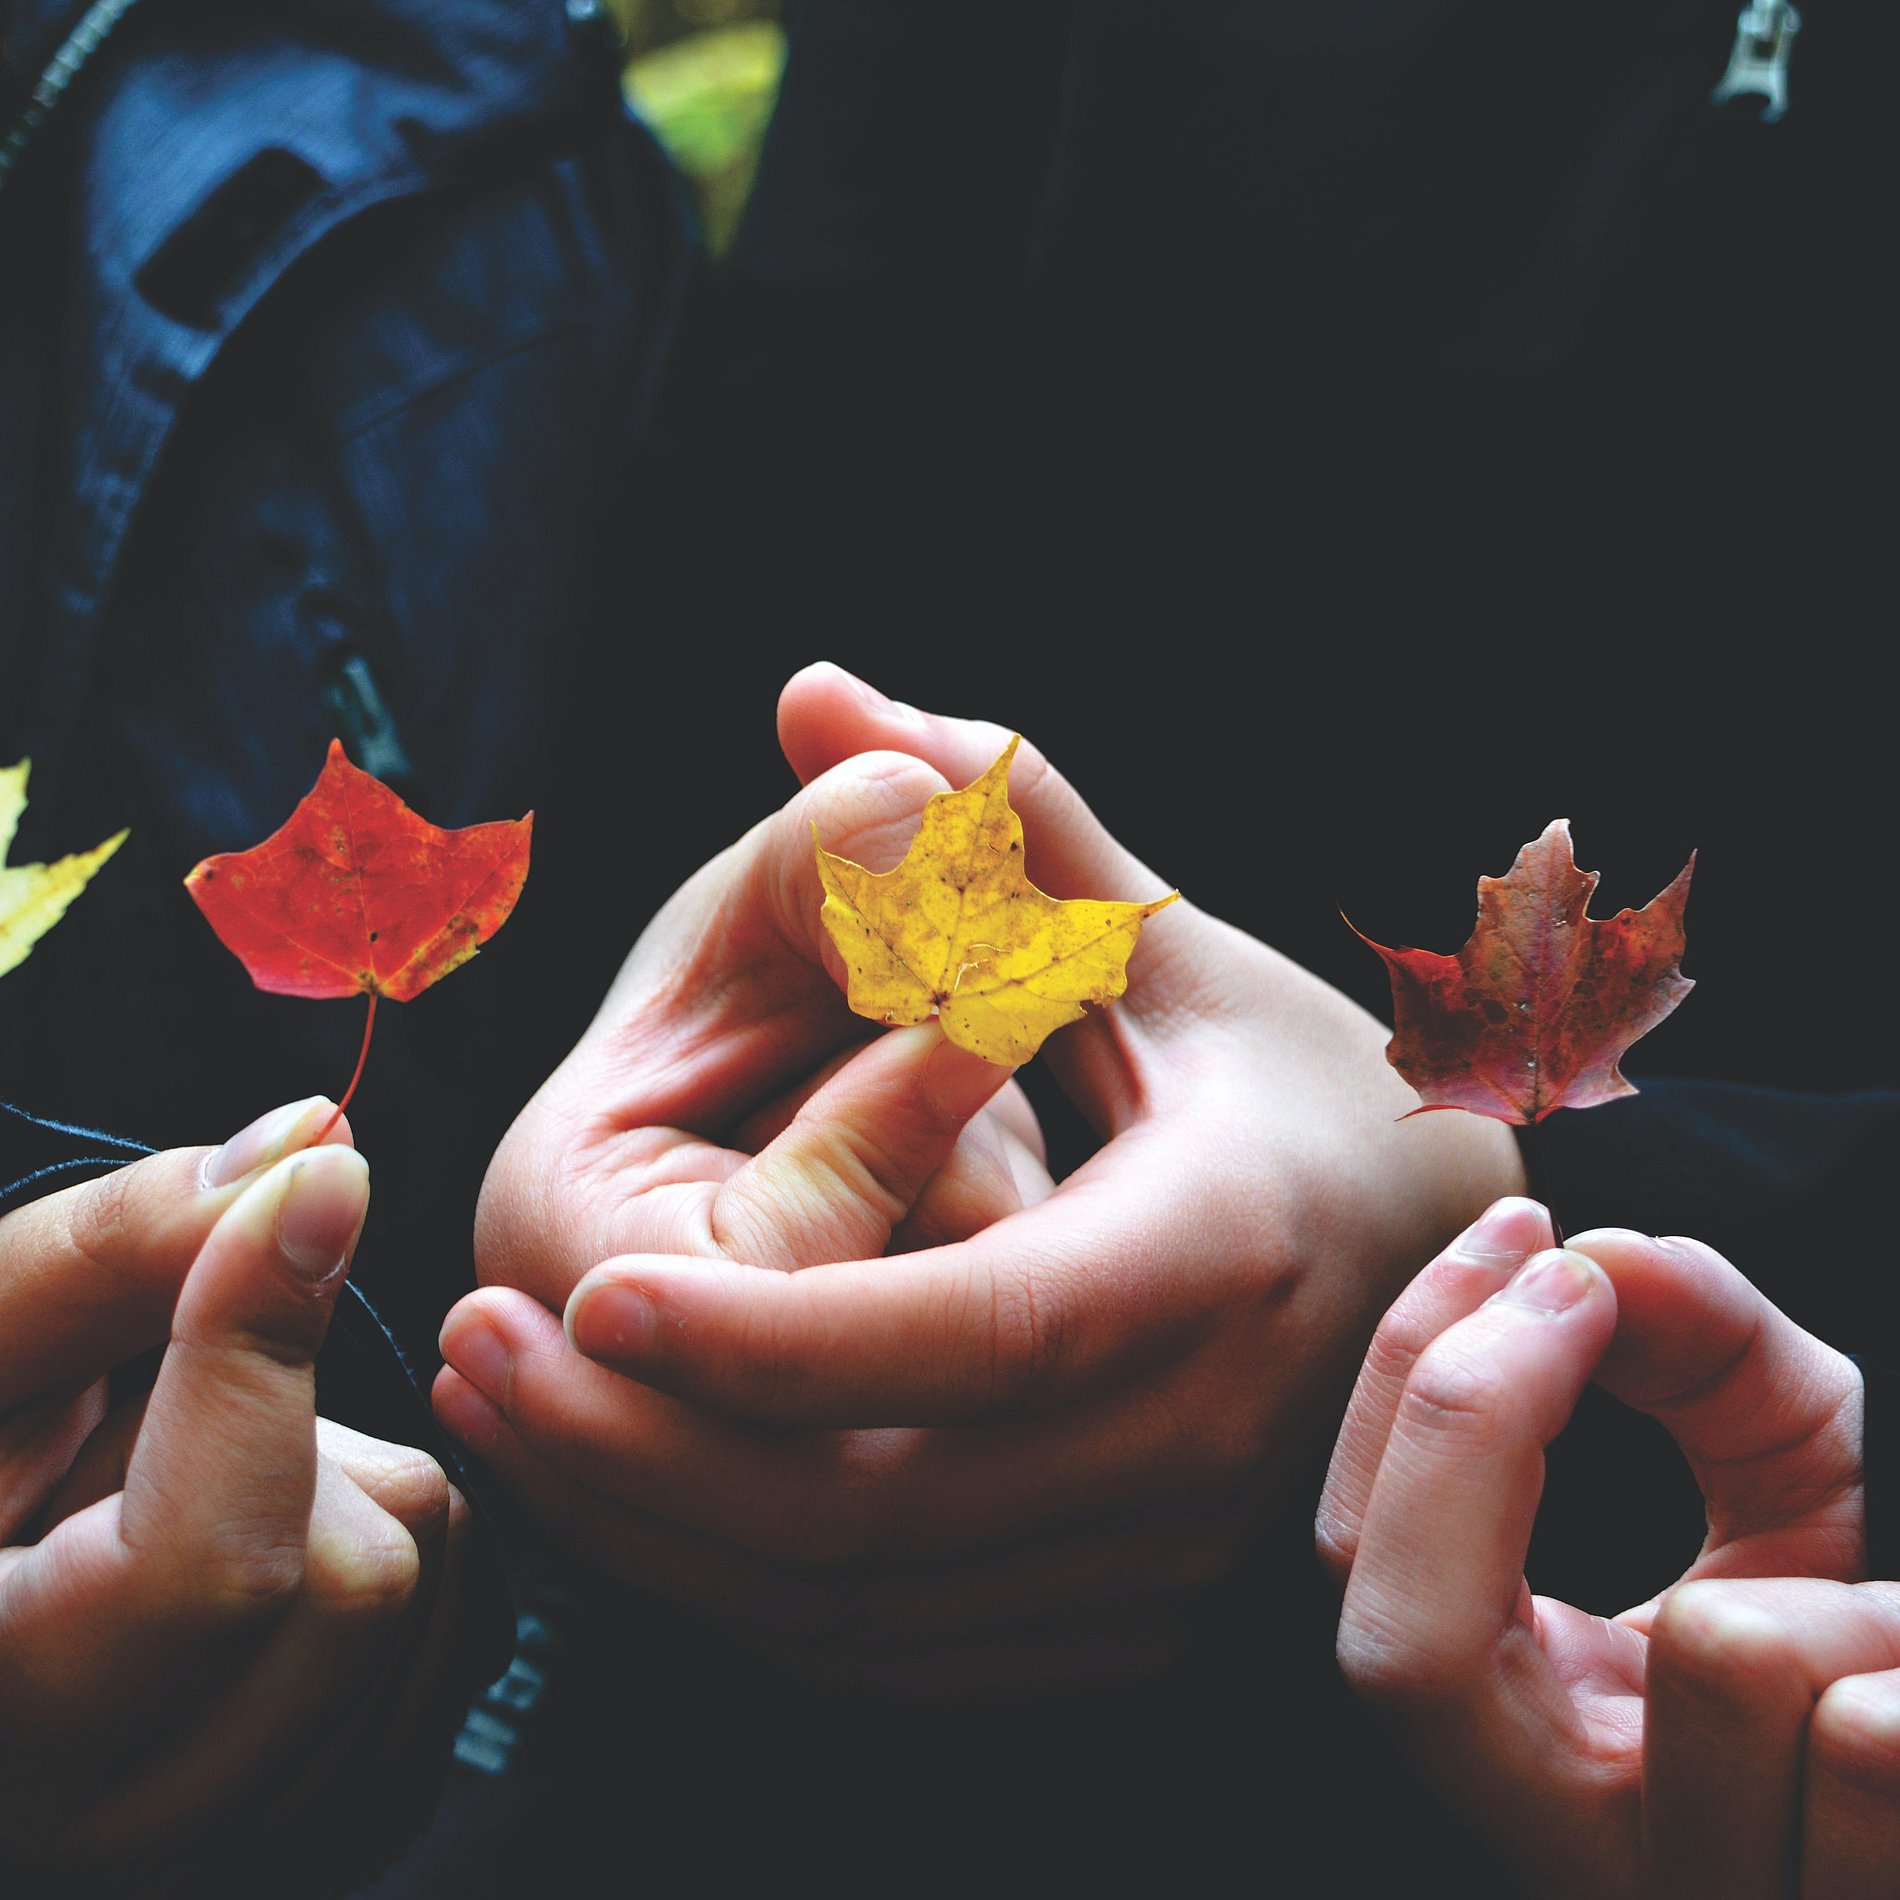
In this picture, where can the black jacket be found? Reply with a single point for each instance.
(1147, 353)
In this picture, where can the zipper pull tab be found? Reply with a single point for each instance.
(369, 731)
(1764, 32)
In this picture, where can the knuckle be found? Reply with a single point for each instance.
(358, 1577)
(1854, 1737)
(250, 1582)
(1712, 1639)
(1400, 1338)
(1027, 1332)
(100, 1219)
(1335, 1542)
(1451, 1397)
(1389, 1674)
(414, 1490)
(770, 1361)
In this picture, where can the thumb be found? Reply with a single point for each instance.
(841, 1177)
(1768, 1416)
(89, 1276)
(210, 1532)
(224, 1469)
(857, 1156)
(826, 714)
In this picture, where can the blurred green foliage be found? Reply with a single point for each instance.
(704, 74)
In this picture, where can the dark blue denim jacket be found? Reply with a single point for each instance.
(329, 342)
(330, 334)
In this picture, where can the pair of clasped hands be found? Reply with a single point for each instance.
(788, 1321)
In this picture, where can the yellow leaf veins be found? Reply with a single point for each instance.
(958, 931)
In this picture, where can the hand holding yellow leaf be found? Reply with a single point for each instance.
(33, 897)
(958, 931)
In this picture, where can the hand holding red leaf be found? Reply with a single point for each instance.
(1534, 1012)
(357, 895)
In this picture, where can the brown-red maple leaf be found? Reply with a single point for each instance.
(357, 895)
(1534, 1013)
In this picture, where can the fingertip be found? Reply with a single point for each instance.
(1509, 1231)
(610, 1322)
(466, 1413)
(518, 1319)
(271, 1267)
(820, 677)
(1555, 1281)
(1610, 1243)
(305, 1210)
(274, 1134)
(956, 1081)
(825, 713)
(320, 1212)
(1859, 1716)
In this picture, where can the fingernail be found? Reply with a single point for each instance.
(1505, 1233)
(322, 1210)
(480, 1355)
(956, 1082)
(266, 1140)
(1551, 1282)
(612, 1322)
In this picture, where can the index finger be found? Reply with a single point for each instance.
(1767, 1415)
(219, 1487)
(208, 1535)
(1046, 1306)
(1456, 1283)
(89, 1276)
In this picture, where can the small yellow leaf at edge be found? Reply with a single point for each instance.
(34, 897)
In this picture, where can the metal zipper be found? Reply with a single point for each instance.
(1764, 36)
(355, 701)
(79, 46)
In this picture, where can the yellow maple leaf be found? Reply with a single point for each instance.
(958, 932)
(33, 897)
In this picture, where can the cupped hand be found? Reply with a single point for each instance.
(1005, 1458)
(209, 1598)
(1737, 1736)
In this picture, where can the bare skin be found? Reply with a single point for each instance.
(1737, 1735)
(212, 1602)
(841, 1362)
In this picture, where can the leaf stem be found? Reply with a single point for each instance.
(1530, 1145)
(362, 1056)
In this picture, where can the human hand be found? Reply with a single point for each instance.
(1008, 1457)
(1735, 1736)
(205, 1589)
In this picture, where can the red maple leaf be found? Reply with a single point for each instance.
(356, 895)
(1534, 1012)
